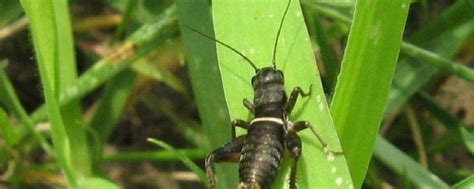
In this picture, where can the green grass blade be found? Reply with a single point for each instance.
(6, 129)
(96, 182)
(457, 14)
(10, 99)
(404, 85)
(153, 71)
(466, 183)
(127, 15)
(183, 158)
(412, 74)
(112, 104)
(164, 155)
(11, 10)
(404, 165)
(436, 61)
(205, 80)
(328, 56)
(66, 74)
(366, 73)
(139, 44)
(188, 127)
(43, 28)
(251, 27)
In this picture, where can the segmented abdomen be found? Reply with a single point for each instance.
(261, 156)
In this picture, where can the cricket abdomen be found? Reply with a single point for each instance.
(261, 156)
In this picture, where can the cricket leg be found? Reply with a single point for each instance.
(238, 123)
(301, 125)
(230, 152)
(294, 96)
(293, 145)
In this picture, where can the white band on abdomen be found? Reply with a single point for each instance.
(270, 119)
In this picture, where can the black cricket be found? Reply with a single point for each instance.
(269, 133)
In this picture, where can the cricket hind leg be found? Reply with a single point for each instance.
(293, 145)
(230, 152)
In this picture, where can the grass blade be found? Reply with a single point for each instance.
(112, 103)
(404, 165)
(412, 74)
(10, 99)
(328, 56)
(367, 69)
(164, 155)
(205, 79)
(439, 62)
(66, 74)
(6, 129)
(139, 44)
(185, 159)
(43, 27)
(466, 183)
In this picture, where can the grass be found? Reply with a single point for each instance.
(367, 70)
(388, 81)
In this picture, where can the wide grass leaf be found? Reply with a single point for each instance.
(251, 26)
(205, 79)
(367, 69)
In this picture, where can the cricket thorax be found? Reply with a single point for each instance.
(268, 87)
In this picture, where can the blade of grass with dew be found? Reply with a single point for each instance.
(138, 45)
(10, 99)
(165, 155)
(183, 158)
(403, 165)
(206, 81)
(251, 27)
(6, 129)
(367, 70)
(43, 29)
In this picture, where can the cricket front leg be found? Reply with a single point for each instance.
(230, 152)
(294, 96)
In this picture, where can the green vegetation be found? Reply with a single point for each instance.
(117, 94)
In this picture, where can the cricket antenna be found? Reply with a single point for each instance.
(225, 45)
(278, 35)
